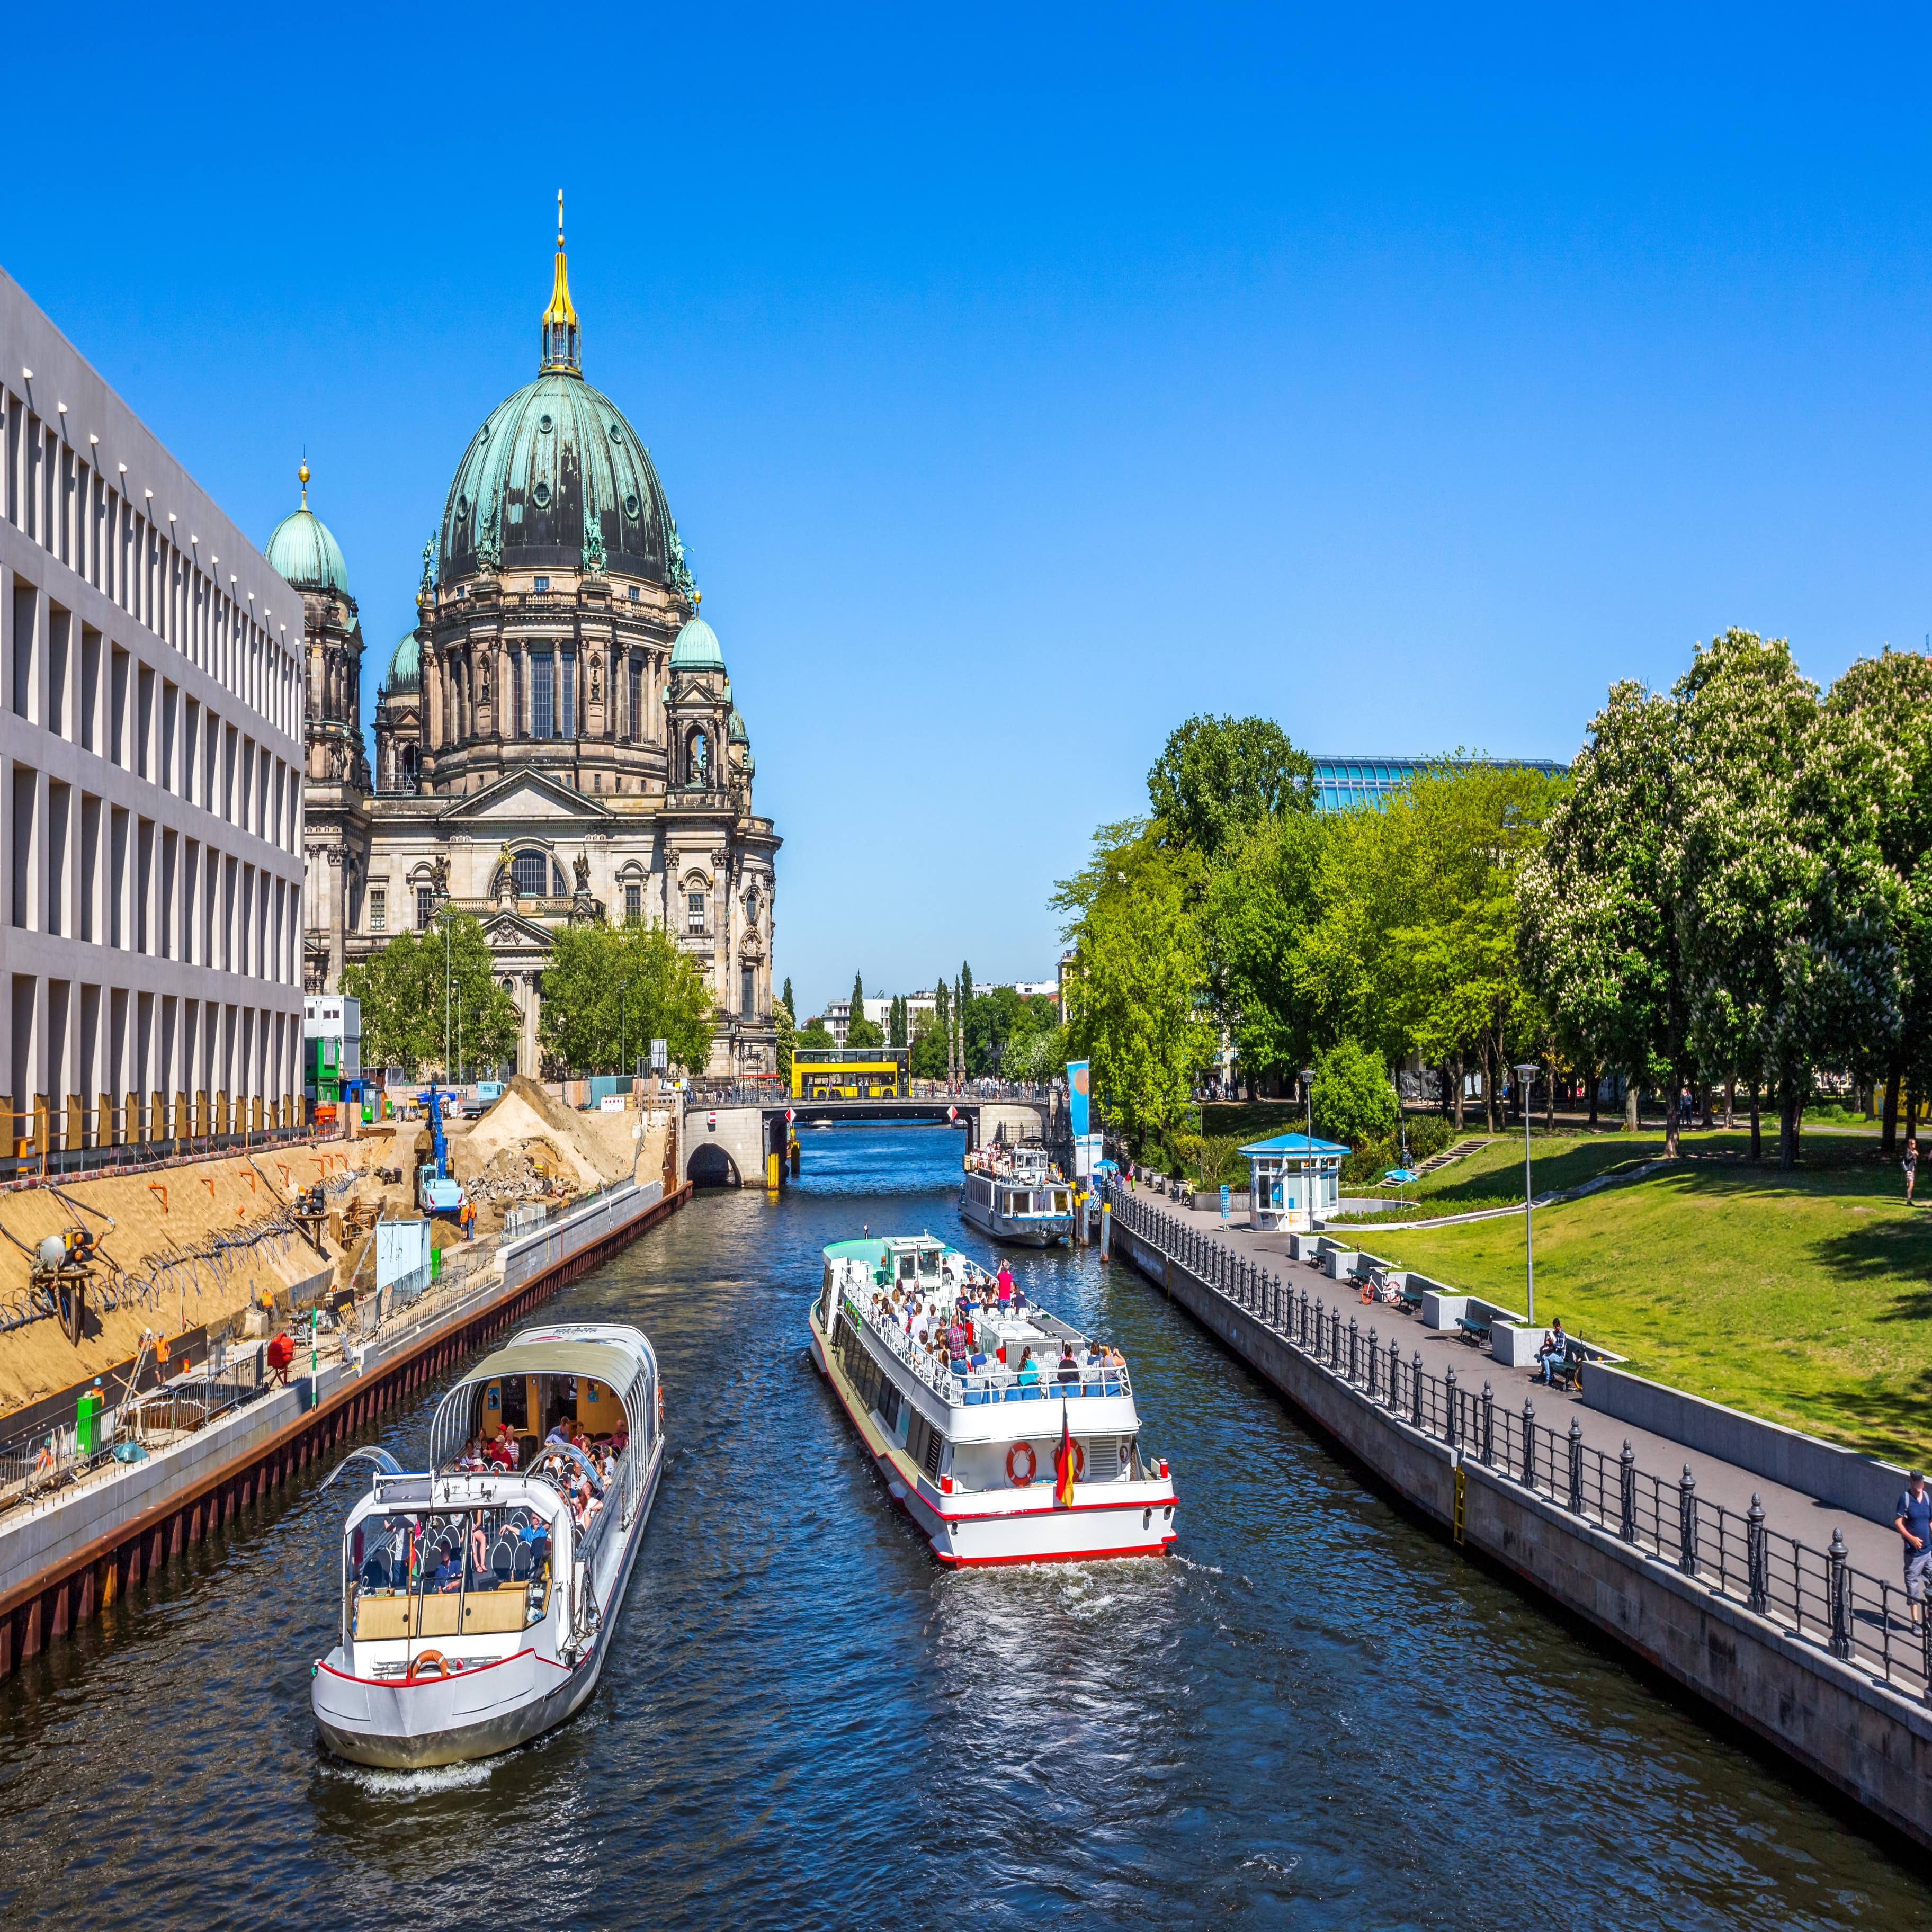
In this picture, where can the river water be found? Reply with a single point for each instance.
(1312, 1714)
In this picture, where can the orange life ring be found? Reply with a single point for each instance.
(660, 1408)
(1079, 1463)
(418, 1665)
(1013, 1476)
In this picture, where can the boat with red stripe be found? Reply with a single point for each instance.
(1023, 1448)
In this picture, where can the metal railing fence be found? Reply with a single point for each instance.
(1819, 1594)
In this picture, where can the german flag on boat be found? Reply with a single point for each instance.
(1062, 1462)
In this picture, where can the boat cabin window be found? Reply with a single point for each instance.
(410, 1575)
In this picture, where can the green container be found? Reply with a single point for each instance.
(436, 1264)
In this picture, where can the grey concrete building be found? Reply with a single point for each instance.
(150, 803)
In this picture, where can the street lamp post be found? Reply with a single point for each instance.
(1523, 1073)
(1309, 1170)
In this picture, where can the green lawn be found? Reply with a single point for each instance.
(1804, 1297)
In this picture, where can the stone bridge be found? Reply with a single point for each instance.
(727, 1145)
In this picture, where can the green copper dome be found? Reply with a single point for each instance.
(736, 735)
(697, 648)
(405, 667)
(300, 548)
(557, 479)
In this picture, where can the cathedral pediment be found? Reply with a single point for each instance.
(523, 795)
(502, 930)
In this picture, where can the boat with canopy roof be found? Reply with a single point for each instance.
(480, 1596)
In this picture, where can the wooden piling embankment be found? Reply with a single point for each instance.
(85, 1581)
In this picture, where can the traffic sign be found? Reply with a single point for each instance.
(789, 1117)
(953, 1113)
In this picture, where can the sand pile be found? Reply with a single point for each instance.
(530, 1135)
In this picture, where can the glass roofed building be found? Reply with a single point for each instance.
(1343, 783)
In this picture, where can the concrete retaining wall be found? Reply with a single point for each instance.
(1841, 1477)
(1864, 1738)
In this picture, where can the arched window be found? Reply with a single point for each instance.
(531, 870)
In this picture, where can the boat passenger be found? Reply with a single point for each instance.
(1068, 1370)
(1005, 1288)
(1029, 1369)
(481, 1576)
(448, 1571)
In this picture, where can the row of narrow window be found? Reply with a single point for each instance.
(70, 507)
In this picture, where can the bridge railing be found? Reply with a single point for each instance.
(773, 1093)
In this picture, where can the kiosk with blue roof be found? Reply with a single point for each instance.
(1288, 1175)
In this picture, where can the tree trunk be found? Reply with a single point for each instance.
(1632, 1116)
(1757, 1125)
(1672, 1115)
(1461, 1082)
(1488, 1090)
(1549, 1096)
(1787, 1127)
(1730, 1099)
(1596, 1079)
(1888, 1143)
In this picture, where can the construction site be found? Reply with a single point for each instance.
(166, 1336)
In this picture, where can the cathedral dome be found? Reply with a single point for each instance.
(405, 667)
(302, 549)
(557, 478)
(736, 735)
(697, 648)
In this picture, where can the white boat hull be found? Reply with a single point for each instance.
(1028, 1231)
(398, 1726)
(976, 1528)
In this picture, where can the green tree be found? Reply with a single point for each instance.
(786, 996)
(1877, 738)
(1217, 777)
(864, 1036)
(896, 1030)
(1469, 831)
(608, 990)
(928, 1060)
(782, 1026)
(814, 1037)
(1133, 1000)
(1354, 1100)
(1788, 939)
(406, 988)
(1259, 905)
(1599, 925)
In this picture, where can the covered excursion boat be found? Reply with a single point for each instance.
(969, 1454)
(1016, 1195)
(479, 1597)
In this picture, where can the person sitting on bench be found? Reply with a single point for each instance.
(1555, 1352)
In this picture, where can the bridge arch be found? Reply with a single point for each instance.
(711, 1166)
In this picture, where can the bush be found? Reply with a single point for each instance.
(1428, 1134)
(1354, 1100)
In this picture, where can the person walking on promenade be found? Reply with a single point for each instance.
(1913, 1519)
(1911, 1165)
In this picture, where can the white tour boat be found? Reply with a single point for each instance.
(478, 1602)
(1015, 1194)
(973, 1457)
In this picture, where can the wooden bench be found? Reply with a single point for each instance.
(1475, 1332)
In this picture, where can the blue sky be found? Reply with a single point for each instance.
(1023, 383)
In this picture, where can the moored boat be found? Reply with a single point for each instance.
(480, 1596)
(993, 1466)
(1016, 1195)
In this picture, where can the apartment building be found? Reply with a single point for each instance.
(151, 799)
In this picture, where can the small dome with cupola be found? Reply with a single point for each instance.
(405, 667)
(302, 549)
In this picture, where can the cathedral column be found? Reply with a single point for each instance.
(432, 702)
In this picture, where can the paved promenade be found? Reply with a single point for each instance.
(1875, 1547)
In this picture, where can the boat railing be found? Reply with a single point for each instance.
(992, 1385)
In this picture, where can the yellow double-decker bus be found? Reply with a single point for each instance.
(867, 1073)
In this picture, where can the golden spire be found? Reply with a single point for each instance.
(303, 473)
(560, 309)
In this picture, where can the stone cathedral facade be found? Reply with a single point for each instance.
(556, 740)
